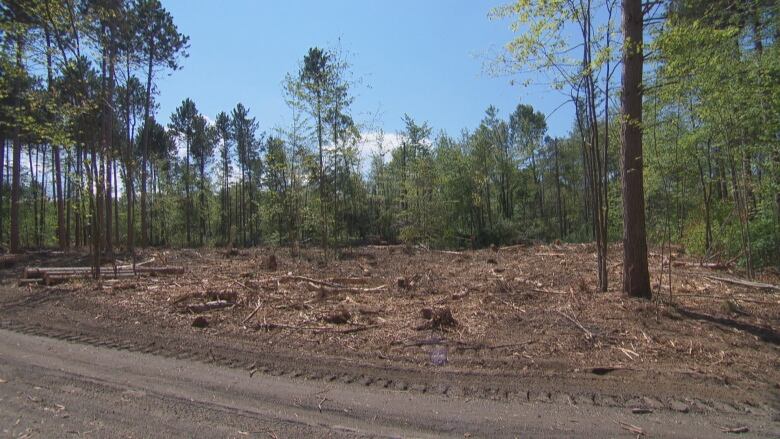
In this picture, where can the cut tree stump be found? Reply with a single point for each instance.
(8, 261)
(438, 318)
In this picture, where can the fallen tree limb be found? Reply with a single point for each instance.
(744, 283)
(345, 289)
(632, 428)
(160, 270)
(513, 247)
(291, 278)
(209, 306)
(271, 326)
(710, 265)
(330, 286)
(252, 314)
(588, 334)
(449, 252)
(350, 280)
(543, 290)
(735, 430)
(462, 344)
(741, 299)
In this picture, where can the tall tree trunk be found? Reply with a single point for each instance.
(108, 153)
(128, 165)
(55, 152)
(558, 190)
(34, 190)
(108, 206)
(61, 231)
(116, 202)
(202, 199)
(94, 195)
(44, 198)
(2, 182)
(636, 276)
(145, 149)
(78, 223)
(16, 183)
(68, 194)
(323, 223)
(187, 201)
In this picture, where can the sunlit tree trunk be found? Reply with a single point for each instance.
(636, 277)
(16, 165)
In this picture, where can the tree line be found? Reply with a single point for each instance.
(684, 148)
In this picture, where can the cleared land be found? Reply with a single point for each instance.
(522, 322)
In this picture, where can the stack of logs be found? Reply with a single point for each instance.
(56, 275)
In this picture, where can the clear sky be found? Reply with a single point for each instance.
(421, 57)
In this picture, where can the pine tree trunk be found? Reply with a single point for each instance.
(68, 194)
(187, 201)
(16, 181)
(202, 199)
(145, 150)
(44, 198)
(558, 190)
(2, 181)
(116, 203)
(636, 277)
(108, 154)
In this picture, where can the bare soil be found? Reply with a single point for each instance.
(513, 311)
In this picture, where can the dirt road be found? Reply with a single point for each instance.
(56, 388)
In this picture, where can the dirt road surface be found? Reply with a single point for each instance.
(56, 388)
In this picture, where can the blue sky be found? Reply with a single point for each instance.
(423, 57)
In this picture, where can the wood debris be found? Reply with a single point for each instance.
(437, 318)
(745, 283)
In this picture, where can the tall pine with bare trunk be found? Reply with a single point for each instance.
(636, 277)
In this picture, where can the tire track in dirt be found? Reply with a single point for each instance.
(451, 384)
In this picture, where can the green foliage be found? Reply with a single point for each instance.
(712, 160)
(713, 112)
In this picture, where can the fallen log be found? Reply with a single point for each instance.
(58, 278)
(323, 290)
(462, 344)
(108, 272)
(209, 306)
(709, 265)
(330, 287)
(291, 278)
(317, 329)
(744, 283)
(38, 272)
(160, 270)
(631, 428)
(350, 280)
(513, 247)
